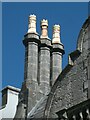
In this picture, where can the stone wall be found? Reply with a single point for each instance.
(71, 87)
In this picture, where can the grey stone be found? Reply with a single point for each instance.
(43, 66)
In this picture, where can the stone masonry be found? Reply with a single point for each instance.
(47, 90)
(37, 71)
(72, 86)
(44, 59)
(58, 51)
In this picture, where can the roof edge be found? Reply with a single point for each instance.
(11, 88)
(51, 94)
(84, 26)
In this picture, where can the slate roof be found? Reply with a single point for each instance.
(38, 110)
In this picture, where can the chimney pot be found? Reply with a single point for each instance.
(32, 24)
(44, 28)
(56, 34)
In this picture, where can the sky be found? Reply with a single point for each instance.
(70, 16)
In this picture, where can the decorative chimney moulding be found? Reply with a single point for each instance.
(32, 24)
(44, 28)
(56, 34)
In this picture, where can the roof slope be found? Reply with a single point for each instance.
(38, 110)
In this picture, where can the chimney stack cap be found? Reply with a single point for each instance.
(32, 24)
(32, 17)
(56, 34)
(56, 27)
(44, 22)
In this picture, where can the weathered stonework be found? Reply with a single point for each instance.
(47, 90)
(72, 86)
(44, 59)
(44, 69)
(57, 53)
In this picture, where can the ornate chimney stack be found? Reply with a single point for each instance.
(38, 69)
(29, 91)
(44, 59)
(57, 52)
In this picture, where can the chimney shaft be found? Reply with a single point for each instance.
(57, 52)
(29, 93)
(44, 59)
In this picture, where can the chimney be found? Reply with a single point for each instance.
(44, 29)
(29, 91)
(32, 24)
(56, 34)
(44, 59)
(57, 52)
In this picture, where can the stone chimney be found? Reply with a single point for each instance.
(29, 91)
(44, 29)
(57, 52)
(44, 59)
(56, 34)
(32, 24)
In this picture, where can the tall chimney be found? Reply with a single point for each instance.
(44, 59)
(29, 90)
(57, 52)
